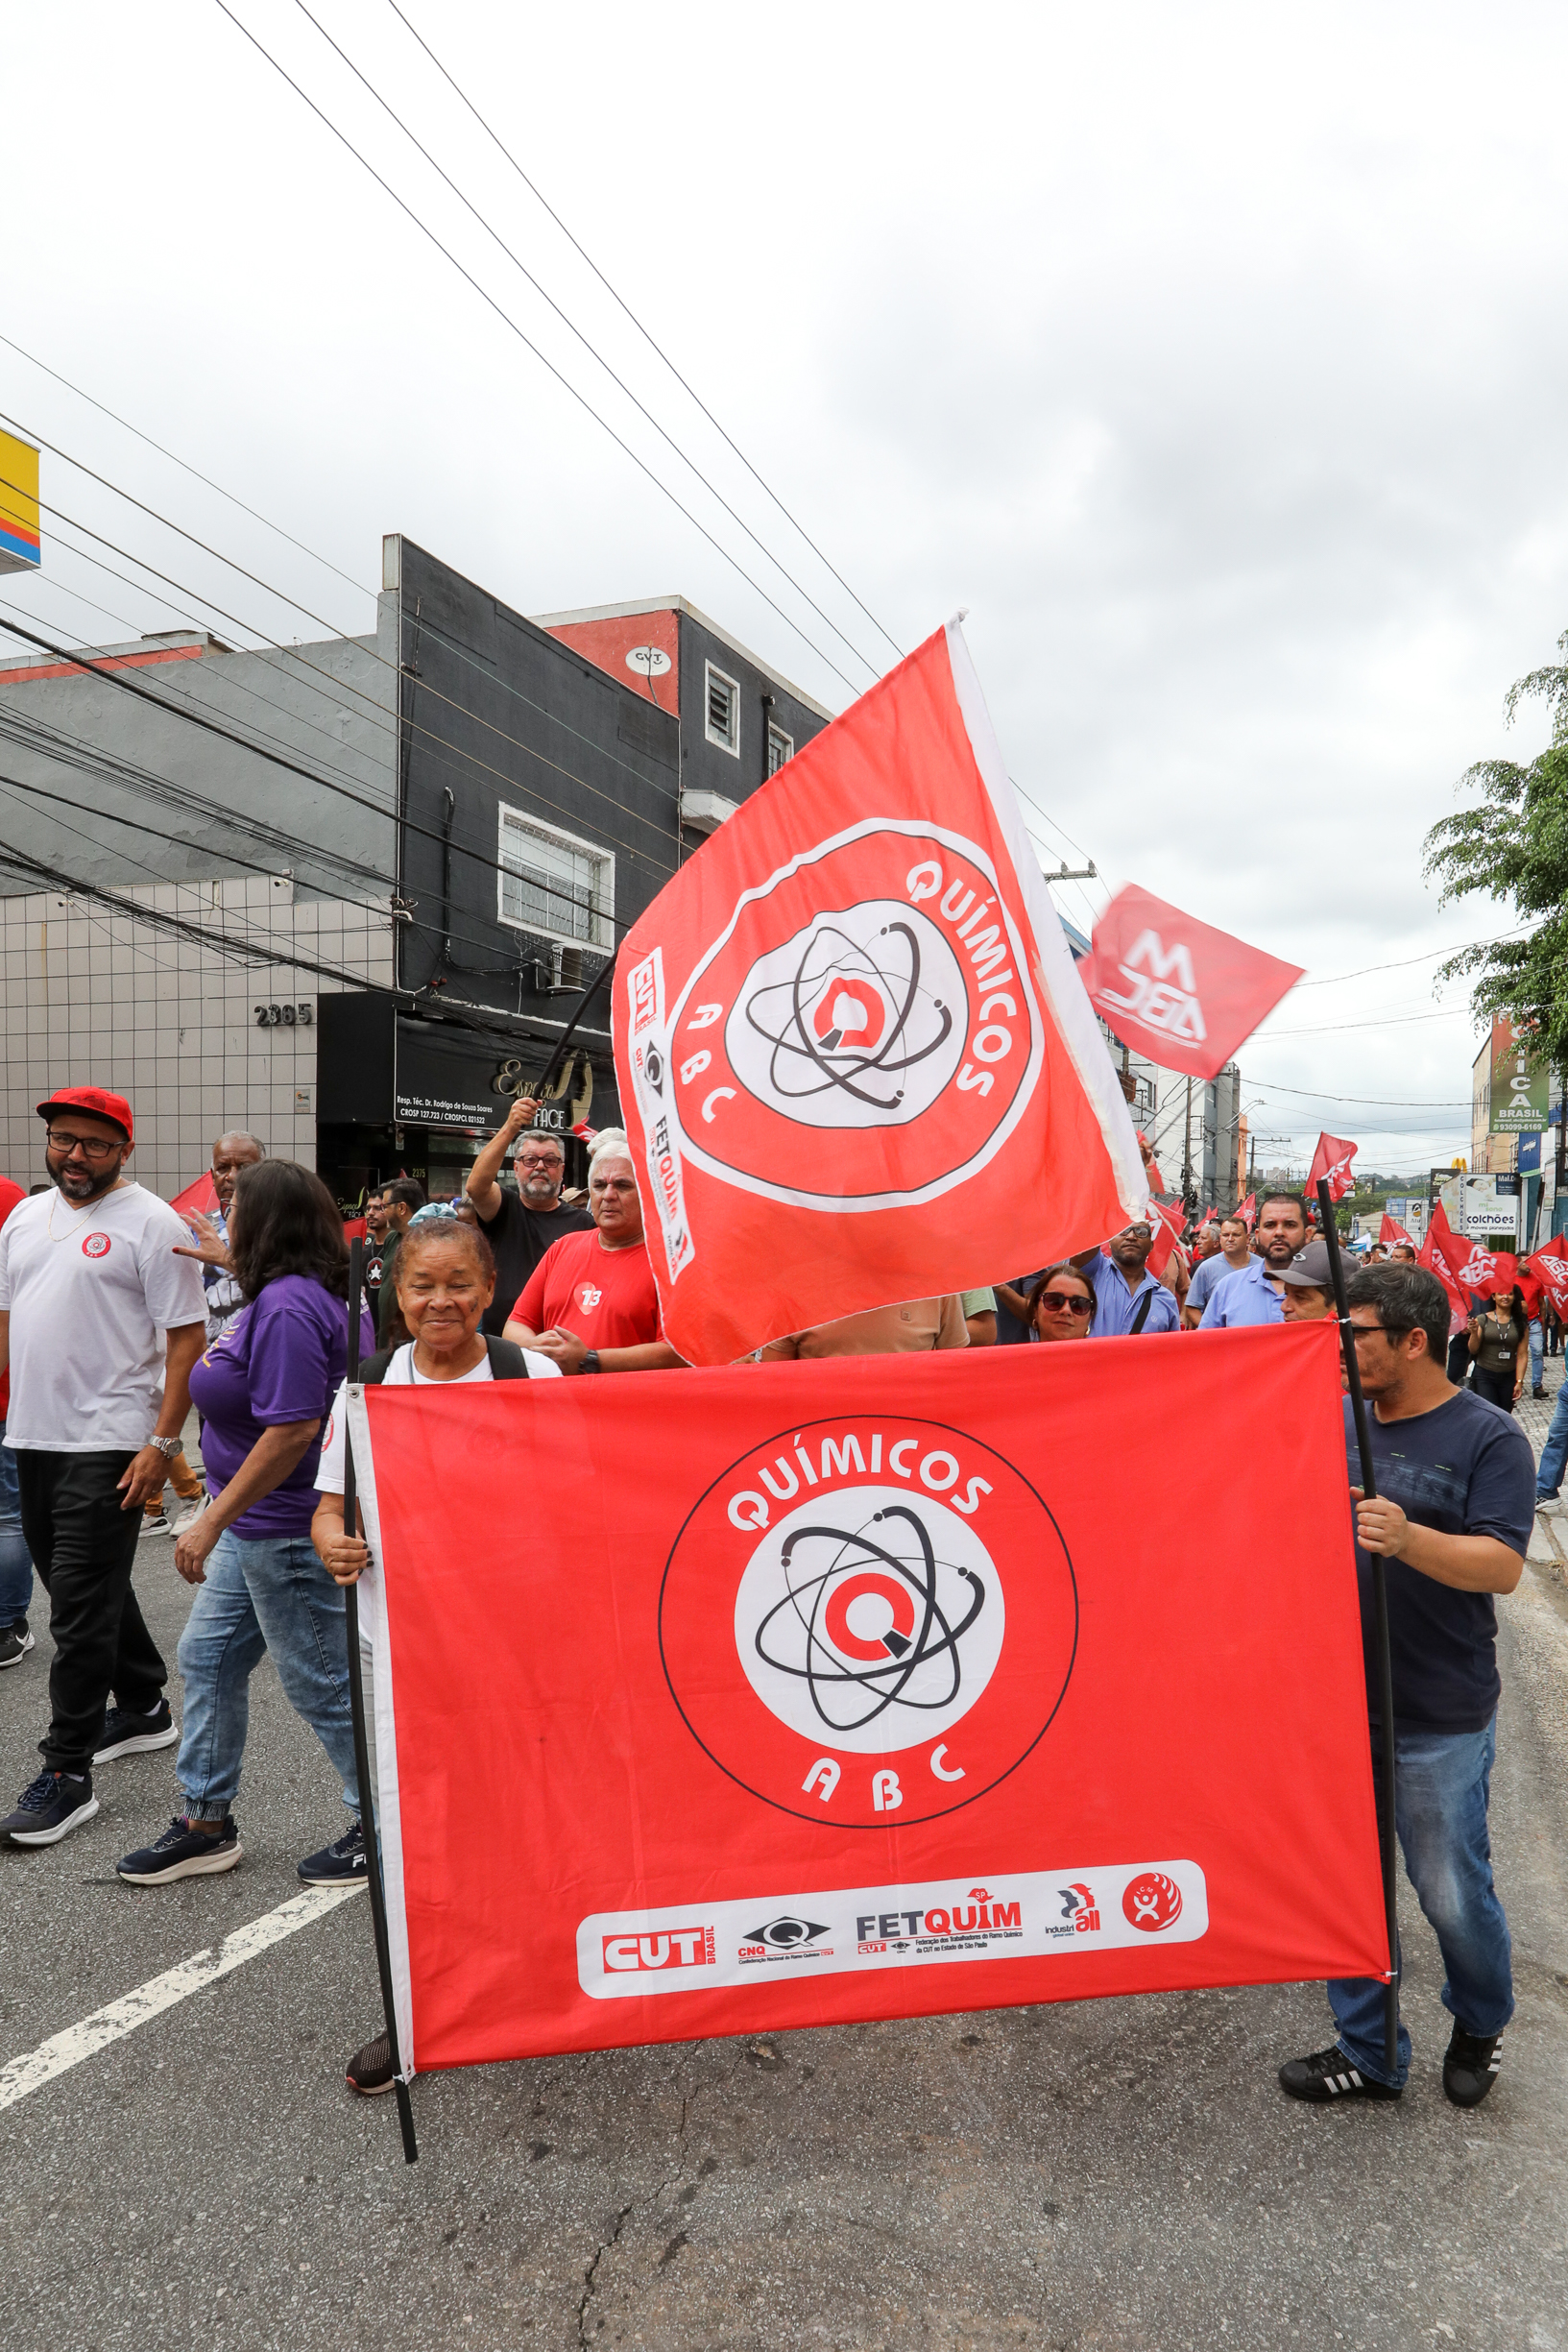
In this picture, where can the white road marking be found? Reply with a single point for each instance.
(63, 2050)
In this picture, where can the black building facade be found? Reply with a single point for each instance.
(551, 777)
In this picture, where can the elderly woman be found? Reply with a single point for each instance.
(1061, 1304)
(262, 1389)
(591, 1304)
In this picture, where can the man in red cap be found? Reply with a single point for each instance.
(101, 1320)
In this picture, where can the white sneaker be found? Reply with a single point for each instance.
(155, 1527)
(190, 1517)
(1550, 1507)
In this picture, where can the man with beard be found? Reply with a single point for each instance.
(520, 1226)
(101, 1319)
(1256, 1293)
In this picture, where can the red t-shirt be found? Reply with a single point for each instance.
(10, 1195)
(606, 1296)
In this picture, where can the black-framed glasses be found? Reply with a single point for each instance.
(1392, 1331)
(91, 1147)
(1063, 1302)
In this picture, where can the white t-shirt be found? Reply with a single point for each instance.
(90, 1292)
(401, 1374)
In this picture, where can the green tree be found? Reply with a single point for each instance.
(1513, 845)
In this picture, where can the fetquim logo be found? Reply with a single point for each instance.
(95, 1246)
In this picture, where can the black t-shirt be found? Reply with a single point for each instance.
(519, 1237)
(1010, 1332)
(1466, 1470)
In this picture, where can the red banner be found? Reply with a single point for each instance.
(1332, 1159)
(828, 1691)
(854, 1059)
(1176, 989)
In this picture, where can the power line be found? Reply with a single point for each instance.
(1362, 1102)
(643, 331)
(523, 338)
(594, 352)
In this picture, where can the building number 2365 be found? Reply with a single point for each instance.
(284, 1016)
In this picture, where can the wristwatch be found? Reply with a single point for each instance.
(168, 1447)
(591, 1361)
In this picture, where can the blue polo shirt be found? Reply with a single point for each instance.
(1115, 1305)
(1242, 1298)
(1207, 1278)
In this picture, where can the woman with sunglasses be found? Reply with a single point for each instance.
(1061, 1304)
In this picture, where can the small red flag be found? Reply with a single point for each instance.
(1176, 989)
(1248, 1211)
(1550, 1267)
(1168, 1224)
(1392, 1230)
(1431, 1255)
(1332, 1159)
(199, 1197)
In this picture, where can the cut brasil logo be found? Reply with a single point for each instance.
(876, 991)
(863, 1618)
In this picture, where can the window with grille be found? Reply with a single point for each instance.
(723, 710)
(779, 748)
(551, 883)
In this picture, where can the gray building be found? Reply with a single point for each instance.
(347, 894)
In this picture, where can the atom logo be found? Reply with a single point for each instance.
(860, 1618)
(1152, 1902)
(866, 1641)
(851, 1021)
(96, 1246)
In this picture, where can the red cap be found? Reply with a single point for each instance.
(94, 1099)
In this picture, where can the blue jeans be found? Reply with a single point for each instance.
(274, 1594)
(16, 1559)
(1442, 1782)
(1554, 1452)
(1537, 1346)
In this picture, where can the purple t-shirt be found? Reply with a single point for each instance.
(281, 1360)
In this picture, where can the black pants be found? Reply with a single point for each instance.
(1496, 1387)
(84, 1547)
(1459, 1358)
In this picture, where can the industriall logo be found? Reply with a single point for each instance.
(836, 1614)
(878, 984)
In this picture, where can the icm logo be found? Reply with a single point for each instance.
(1152, 1902)
(1161, 989)
(669, 1947)
(787, 1934)
(95, 1246)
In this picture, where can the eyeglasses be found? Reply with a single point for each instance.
(539, 1159)
(91, 1147)
(1063, 1302)
(1390, 1331)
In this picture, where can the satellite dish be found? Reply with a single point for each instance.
(649, 661)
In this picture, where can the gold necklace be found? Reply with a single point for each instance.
(81, 1215)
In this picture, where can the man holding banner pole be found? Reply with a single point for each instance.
(1448, 1522)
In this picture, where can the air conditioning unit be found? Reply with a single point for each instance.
(566, 970)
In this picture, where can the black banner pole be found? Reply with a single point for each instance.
(564, 1046)
(362, 1745)
(1380, 1612)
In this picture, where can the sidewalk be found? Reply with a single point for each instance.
(1548, 1542)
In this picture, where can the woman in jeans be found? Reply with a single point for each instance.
(263, 1390)
(1498, 1342)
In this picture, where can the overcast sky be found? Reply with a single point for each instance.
(1215, 358)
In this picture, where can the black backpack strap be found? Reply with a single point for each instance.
(507, 1361)
(1141, 1314)
(375, 1368)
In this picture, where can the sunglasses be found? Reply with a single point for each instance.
(1063, 1302)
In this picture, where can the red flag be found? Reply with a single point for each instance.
(1392, 1230)
(200, 1197)
(854, 1059)
(1248, 1211)
(1332, 1159)
(1151, 1166)
(1471, 1264)
(1432, 1255)
(1549, 1266)
(1001, 1757)
(1167, 1231)
(1174, 988)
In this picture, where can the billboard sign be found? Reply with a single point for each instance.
(20, 548)
(1521, 1081)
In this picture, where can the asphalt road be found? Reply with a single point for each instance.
(1113, 2174)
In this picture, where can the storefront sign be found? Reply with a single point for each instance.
(1521, 1081)
(442, 1078)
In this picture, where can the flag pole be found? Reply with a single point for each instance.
(1380, 1612)
(362, 1746)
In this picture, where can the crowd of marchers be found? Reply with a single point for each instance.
(117, 1316)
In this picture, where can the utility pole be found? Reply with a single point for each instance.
(1188, 1202)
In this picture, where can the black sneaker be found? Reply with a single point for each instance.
(49, 1808)
(1470, 2066)
(183, 1852)
(129, 1734)
(344, 1859)
(14, 1643)
(158, 1526)
(369, 2070)
(1328, 2074)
